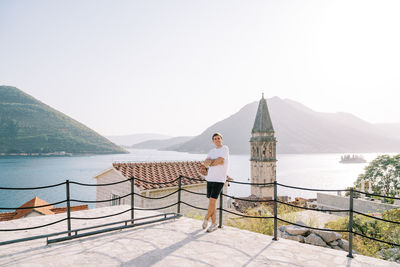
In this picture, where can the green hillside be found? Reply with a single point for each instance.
(29, 126)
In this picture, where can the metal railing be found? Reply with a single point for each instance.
(172, 215)
(76, 233)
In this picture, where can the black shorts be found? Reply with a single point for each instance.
(214, 189)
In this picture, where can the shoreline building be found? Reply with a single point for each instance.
(263, 152)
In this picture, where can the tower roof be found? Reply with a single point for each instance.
(262, 123)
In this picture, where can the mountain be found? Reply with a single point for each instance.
(132, 139)
(30, 126)
(298, 129)
(390, 129)
(237, 138)
(170, 143)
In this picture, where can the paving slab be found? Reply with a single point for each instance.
(178, 242)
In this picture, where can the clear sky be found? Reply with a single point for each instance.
(176, 67)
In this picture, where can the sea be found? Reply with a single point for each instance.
(320, 171)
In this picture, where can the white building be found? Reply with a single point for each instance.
(155, 172)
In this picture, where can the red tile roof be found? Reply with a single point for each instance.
(48, 210)
(161, 172)
(31, 203)
(72, 208)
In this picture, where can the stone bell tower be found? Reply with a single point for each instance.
(263, 152)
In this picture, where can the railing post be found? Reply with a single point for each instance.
(179, 193)
(68, 207)
(220, 209)
(350, 255)
(132, 198)
(275, 211)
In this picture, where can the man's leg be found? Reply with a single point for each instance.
(213, 211)
(212, 206)
(214, 214)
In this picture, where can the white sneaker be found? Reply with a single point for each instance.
(205, 223)
(212, 228)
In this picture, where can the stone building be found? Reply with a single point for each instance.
(156, 172)
(263, 152)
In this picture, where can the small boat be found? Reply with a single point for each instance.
(352, 159)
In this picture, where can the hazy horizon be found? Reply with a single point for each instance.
(177, 67)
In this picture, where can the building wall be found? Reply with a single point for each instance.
(104, 192)
(360, 205)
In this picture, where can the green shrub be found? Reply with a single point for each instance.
(263, 226)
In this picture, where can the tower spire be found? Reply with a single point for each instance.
(262, 123)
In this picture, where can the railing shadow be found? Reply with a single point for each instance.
(156, 255)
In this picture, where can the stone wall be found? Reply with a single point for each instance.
(360, 205)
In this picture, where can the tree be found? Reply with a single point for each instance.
(384, 175)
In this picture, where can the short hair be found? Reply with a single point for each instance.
(217, 134)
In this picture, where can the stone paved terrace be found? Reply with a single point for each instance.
(179, 242)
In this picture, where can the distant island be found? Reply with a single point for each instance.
(29, 127)
(352, 159)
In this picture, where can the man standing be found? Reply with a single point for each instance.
(217, 164)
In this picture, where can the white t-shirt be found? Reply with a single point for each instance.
(218, 173)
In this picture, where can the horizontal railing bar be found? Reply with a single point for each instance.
(251, 200)
(165, 196)
(376, 218)
(31, 188)
(100, 217)
(237, 182)
(312, 189)
(33, 207)
(378, 240)
(160, 208)
(249, 216)
(183, 202)
(376, 195)
(147, 182)
(31, 228)
(314, 228)
(110, 229)
(305, 208)
(194, 179)
(83, 184)
(100, 201)
(192, 192)
(30, 238)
